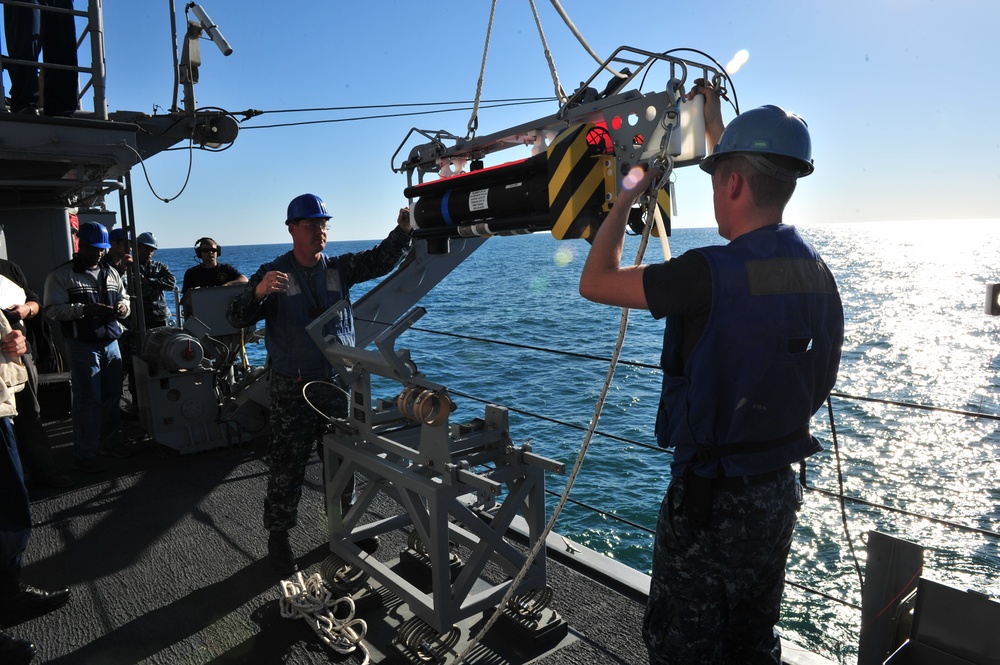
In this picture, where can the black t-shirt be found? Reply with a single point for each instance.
(681, 287)
(199, 276)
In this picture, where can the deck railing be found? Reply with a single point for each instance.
(92, 32)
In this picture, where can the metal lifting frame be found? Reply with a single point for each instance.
(442, 475)
(627, 115)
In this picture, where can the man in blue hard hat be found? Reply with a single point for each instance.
(154, 278)
(287, 294)
(751, 351)
(119, 256)
(89, 303)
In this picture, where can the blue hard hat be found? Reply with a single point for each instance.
(148, 239)
(93, 234)
(119, 234)
(763, 132)
(306, 206)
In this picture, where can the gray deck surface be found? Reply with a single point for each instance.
(164, 554)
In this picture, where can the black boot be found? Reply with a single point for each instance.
(29, 602)
(21, 602)
(14, 651)
(279, 551)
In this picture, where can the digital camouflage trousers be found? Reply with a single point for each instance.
(296, 431)
(715, 593)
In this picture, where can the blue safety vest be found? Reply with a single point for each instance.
(765, 363)
(290, 349)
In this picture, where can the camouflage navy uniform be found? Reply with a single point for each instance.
(296, 428)
(716, 589)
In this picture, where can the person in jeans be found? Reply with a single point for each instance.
(87, 300)
(19, 602)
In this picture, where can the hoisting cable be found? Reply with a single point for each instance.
(579, 38)
(560, 93)
(474, 120)
(598, 407)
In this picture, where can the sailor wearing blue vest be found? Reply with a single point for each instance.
(751, 350)
(287, 294)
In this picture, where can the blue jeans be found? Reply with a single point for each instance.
(15, 511)
(96, 373)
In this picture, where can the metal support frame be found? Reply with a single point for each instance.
(440, 475)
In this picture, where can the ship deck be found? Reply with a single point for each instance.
(165, 555)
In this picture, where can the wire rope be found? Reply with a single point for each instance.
(390, 115)
(404, 105)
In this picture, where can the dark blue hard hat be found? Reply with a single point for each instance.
(94, 235)
(306, 206)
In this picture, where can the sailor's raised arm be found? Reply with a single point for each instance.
(603, 279)
(714, 126)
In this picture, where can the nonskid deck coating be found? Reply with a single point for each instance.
(165, 557)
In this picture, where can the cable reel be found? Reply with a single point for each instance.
(425, 406)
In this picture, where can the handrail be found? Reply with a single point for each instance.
(94, 29)
(818, 490)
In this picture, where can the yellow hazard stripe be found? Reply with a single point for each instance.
(578, 200)
(566, 153)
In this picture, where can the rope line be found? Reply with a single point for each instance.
(474, 120)
(309, 599)
(909, 513)
(579, 37)
(560, 93)
(571, 479)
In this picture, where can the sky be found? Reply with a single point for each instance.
(901, 99)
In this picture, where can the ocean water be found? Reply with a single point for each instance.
(916, 332)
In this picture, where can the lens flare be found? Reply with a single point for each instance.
(538, 284)
(738, 61)
(563, 257)
(632, 179)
